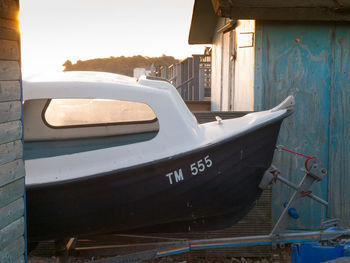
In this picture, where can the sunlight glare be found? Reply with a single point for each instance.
(55, 31)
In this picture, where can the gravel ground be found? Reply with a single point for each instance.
(275, 259)
(278, 256)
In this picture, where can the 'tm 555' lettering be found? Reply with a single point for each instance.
(197, 167)
(177, 174)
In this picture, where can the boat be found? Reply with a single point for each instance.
(105, 153)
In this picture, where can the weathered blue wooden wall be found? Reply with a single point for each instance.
(339, 146)
(310, 61)
(12, 201)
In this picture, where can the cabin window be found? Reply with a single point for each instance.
(60, 113)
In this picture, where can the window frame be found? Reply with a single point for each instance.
(92, 125)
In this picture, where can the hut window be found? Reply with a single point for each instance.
(61, 113)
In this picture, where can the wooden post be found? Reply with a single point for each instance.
(195, 73)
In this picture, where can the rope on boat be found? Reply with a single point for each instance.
(282, 148)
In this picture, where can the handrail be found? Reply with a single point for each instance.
(184, 83)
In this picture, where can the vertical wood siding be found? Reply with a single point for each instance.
(226, 72)
(310, 61)
(12, 223)
(216, 64)
(232, 79)
(339, 143)
(243, 97)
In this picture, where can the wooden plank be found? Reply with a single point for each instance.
(9, 9)
(10, 131)
(20, 259)
(9, 70)
(286, 4)
(11, 212)
(10, 151)
(195, 75)
(216, 76)
(10, 111)
(12, 244)
(11, 171)
(10, 90)
(198, 105)
(339, 142)
(14, 252)
(9, 23)
(8, 33)
(243, 69)
(9, 50)
(11, 192)
(226, 82)
(11, 232)
(258, 68)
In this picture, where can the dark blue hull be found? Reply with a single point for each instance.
(166, 195)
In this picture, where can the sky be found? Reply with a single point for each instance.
(56, 30)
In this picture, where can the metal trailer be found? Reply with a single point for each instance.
(314, 172)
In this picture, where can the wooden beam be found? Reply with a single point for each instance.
(289, 4)
(10, 111)
(11, 172)
(221, 7)
(202, 24)
(9, 70)
(287, 14)
(10, 90)
(9, 50)
(216, 5)
(10, 131)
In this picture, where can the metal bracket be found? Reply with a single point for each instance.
(269, 177)
(334, 222)
(314, 173)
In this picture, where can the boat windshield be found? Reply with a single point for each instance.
(60, 113)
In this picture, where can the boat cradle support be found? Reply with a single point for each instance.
(173, 248)
(314, 172)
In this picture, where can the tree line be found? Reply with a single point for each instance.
(120, 65)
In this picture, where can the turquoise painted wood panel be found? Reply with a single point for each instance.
(339, 147)
(296, 59)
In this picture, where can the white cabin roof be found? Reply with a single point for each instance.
(53, 85)
(84, 76)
